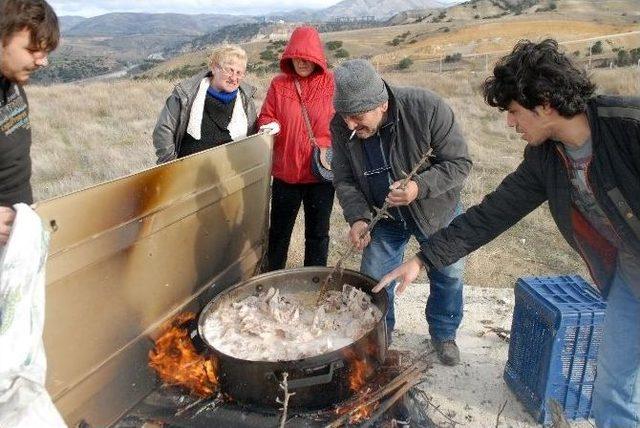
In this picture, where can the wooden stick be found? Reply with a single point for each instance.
(390, 402)
(408, 375)
(284, 385)
(500, 412)
(380, 214)
(437, 408)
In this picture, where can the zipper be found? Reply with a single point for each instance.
(390, 178)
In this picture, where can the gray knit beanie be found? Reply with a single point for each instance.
(359, 88)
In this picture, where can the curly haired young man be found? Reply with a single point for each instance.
(583, 157)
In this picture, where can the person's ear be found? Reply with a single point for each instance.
(545, 109)
(384, 106)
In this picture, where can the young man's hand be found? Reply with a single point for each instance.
(356, 235)
(406, 273)
(7, 215)
(398, 197)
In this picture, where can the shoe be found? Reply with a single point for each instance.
(447, 351)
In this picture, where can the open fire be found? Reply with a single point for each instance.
(177, 362)
(359, 372)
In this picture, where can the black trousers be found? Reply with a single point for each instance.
(317, 199)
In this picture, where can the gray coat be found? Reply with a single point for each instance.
(422, 121)
(174, 118)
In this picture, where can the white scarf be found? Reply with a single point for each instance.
(237, 126)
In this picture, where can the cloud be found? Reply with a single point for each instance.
(235, 7)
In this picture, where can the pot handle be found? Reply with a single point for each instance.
(311, 380)
(194, 335)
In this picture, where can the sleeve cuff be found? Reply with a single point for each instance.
(427, 264)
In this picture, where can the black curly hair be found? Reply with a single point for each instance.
(537, 73)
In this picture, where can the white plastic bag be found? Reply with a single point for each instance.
(24, 401)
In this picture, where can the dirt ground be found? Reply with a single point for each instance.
(472, 393)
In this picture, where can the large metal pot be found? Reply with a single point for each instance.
(317, 381)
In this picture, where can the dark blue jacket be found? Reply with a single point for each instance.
(614, 177)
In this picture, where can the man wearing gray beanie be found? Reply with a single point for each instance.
(380, 132)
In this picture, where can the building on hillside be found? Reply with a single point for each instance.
(282, 30)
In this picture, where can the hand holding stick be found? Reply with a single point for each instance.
(380, 214)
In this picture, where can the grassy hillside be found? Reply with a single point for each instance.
(88, 134)
(500, 36)
(453, 32)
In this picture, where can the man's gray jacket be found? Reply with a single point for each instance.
(174, 118)
(422, 120)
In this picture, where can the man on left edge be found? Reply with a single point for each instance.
(28, 32)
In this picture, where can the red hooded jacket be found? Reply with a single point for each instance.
(292, 147)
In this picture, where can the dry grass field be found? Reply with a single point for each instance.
(87, 134)
(500, 36)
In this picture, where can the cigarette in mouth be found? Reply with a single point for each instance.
(352, 134)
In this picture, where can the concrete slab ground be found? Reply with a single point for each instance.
(473, 392)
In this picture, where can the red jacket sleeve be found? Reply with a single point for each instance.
(269, 110)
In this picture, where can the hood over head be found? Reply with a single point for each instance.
(305, 43)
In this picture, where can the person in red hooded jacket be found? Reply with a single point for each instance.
(293, 182)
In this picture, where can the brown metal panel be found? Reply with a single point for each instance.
(127, 255)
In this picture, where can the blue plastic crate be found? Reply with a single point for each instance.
(557, 328)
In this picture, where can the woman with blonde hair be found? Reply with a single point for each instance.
(209, 109)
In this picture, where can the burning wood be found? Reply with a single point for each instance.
(368, 402)
(177, 362)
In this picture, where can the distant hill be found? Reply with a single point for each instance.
(116, 41)
(68, 22)
(380, 9)
(129, 24)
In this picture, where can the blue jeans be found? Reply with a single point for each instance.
(444, 305)
(616, 394)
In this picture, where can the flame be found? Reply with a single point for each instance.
(357, 412)
(177, 362)
(359, 371)
(362, 413)
(357, 375)
(360, 368)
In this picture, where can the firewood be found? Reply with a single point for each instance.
(386, 405)
(410, 376)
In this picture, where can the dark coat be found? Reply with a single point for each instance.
(174, 117)
(422, 120)
(614, 177)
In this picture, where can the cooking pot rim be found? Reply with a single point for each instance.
(307, 361)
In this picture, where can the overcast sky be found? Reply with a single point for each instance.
(235, 7)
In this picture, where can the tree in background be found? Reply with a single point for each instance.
(405, 63)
